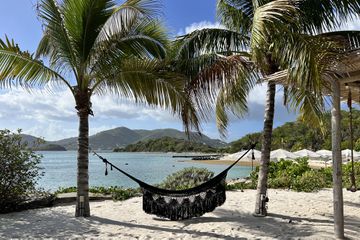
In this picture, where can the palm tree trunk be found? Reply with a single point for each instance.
(337, 162)
(82, 200)
(352, 174)
(260, 208)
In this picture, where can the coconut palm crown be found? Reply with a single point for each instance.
(98, 47)
(266, 36)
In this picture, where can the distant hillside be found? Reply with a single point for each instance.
(38, 144)
(166, 144)
(50, 147)
(31, 141)
(297, 135)
(173, 133)
(122, 136)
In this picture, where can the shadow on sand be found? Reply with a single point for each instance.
(55, 224)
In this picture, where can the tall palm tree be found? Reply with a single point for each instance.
(271, 35)
(98, 47)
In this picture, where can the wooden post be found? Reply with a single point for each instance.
(337, 162)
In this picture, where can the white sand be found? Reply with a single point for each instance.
(310, 214)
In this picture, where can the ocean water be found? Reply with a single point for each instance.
(60, 169)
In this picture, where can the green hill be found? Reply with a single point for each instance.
(122, 136)
(50, 147)
(166, 144)
(297, 135)
(38, 144)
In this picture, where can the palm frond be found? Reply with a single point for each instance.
(232, 98)
(147, 39)
(128, 15)
(319, 16)
(150, 82)
(236, 15)
(311, 105)
(83, 20)
(19, 67)
(268, 18)
(61, 51)
(210, 41)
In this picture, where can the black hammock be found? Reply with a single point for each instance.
(182, 204)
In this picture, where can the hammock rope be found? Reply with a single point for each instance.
(182, 204)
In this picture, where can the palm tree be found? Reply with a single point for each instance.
(271, 35)
(98, 47)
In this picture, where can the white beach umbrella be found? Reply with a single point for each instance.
(310, 154)
(325, 153)
(279, 154)
(346, 155)
(247, 157)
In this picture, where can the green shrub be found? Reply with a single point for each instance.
(19, 170)
(117, 193)
(296, 175)
(283, 180)
(121, 194)
(65, 190)
(347, 170)
(187, 178)
(308, 182)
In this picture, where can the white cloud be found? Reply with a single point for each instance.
(53, 115)
(351, 25)
(199, 26)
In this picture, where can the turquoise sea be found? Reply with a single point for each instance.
(60, 169)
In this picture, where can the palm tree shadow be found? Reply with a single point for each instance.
(211, 235)
(270, 226)
(43, 224)
(352, 204)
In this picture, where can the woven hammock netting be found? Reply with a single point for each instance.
(182, 204)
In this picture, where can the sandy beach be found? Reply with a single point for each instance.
(292, 215)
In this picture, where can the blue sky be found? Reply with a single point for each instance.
(52, 115)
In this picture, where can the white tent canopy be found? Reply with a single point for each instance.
(325, 153)
(346, 155)
(247, 157)
(279, 154)
(310, 154)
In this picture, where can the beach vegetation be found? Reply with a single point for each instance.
(19, 171)
(117, 193)
(187, 178)
(298, 176)
(167, 144)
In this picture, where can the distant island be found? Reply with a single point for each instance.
(49, 147)
(167, 144)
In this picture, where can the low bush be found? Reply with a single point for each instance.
(19, 171)
(309, 181)
(297, 175)
(187, 178)
(117, 193)
(347, 170)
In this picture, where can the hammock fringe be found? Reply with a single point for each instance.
(180, 208)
